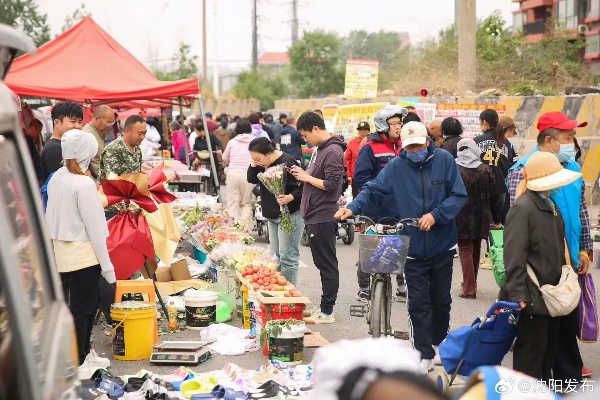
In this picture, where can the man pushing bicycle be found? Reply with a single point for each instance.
(423, 181)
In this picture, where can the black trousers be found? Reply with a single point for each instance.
(535, 348)
(322, 239)
(355, 190)
(428, 284)
(364, 278)
(568, 363)
(81, 293)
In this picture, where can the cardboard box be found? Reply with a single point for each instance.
(181, 271)
(164, 274)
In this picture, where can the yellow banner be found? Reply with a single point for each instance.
(361, 79)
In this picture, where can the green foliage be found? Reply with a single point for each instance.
(80, 13)
(383, 46)
(24, 15)
(261, 84)
(504, 61)
(274, 328)
(315, 64)
(186, 65)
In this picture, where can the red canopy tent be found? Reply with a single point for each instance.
(85, 64)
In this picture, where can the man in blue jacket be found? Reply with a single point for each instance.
(291, 141)
(425, 184)
(381, 147)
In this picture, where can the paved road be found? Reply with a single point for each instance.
(346, 327)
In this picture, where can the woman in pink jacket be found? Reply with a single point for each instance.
(181, 147)
(237, 159)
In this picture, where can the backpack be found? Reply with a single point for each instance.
(44, 191)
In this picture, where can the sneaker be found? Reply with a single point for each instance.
(85, 371)
(96, 361)
(586, 372)
(400, 296)
(437, 360)
(363, 295)
(320, 318)
(310, 311)
(427, 366)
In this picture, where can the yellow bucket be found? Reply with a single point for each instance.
(134, 334)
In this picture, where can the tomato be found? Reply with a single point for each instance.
(255, 286)
(260, 281)
(254, 269)
(273, 280)
(255, 279)
(271, 288)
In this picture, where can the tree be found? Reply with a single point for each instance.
(186, 65)
(24, 15)
(80, 13)
(261, 84)
(315, 64)
(383, 46)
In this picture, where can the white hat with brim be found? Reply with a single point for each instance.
(414, 140)
(413, 132)
(558, 179)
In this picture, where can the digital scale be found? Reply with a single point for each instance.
(180, 352)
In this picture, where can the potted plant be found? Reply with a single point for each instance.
(284, 340)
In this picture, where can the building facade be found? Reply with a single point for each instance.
(582, 17)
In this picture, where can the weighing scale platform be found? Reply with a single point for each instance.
(180, 352)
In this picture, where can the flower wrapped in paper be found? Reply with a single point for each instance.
(131, 239)
(274, 180)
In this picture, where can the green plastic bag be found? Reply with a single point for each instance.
(497, 255)
(224, 303)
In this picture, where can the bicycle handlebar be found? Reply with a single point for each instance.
(414, 222)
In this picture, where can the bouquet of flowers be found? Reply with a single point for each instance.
(274, 180)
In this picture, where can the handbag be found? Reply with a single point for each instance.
(588, 311)
(564, 297)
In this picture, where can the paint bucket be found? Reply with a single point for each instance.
(288, 346)
(200, 308)
(134, 334)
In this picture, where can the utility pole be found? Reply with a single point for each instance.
(254, 36)
(204, 76)
(294, 21)
(467, 44)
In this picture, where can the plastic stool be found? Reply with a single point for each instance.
(143, 286)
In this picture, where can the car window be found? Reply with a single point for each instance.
(22, 234)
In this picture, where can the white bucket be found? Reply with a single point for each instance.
(288, 346)
(200, 308)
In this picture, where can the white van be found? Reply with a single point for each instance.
(38, 351)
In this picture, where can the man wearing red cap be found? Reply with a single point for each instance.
(557, 134)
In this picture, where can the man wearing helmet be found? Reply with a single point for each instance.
(423, 182)
(381, 147)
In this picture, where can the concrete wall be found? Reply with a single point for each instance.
(525, 110)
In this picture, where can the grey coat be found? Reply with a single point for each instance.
(534, 235)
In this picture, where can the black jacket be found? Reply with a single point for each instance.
(534, 235)
(270, 207)
(291, 142)
(450, 143)
(500, 159)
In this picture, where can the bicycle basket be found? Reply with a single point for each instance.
(383, 254)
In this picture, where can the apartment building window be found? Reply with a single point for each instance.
(593, 10)
(567, 14)
(519, 19)
(592, 45)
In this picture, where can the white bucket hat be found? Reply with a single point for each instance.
(543, 172)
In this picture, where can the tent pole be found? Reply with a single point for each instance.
(212, 157)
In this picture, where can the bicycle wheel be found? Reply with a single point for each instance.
(378, 309)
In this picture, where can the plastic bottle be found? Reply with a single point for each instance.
(172, 310)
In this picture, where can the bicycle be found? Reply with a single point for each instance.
(382, 253)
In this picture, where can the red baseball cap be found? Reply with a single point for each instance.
(558, 120)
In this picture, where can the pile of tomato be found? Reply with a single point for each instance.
(263, 278)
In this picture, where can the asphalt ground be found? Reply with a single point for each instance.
(346, 327)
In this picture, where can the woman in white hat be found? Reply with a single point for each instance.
(78, 230)
(534, 236)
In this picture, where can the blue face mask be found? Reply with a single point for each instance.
(566, 153)
(417, 156)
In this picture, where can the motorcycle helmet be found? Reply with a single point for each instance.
(382, 116)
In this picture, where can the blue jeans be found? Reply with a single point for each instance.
(286, 246)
